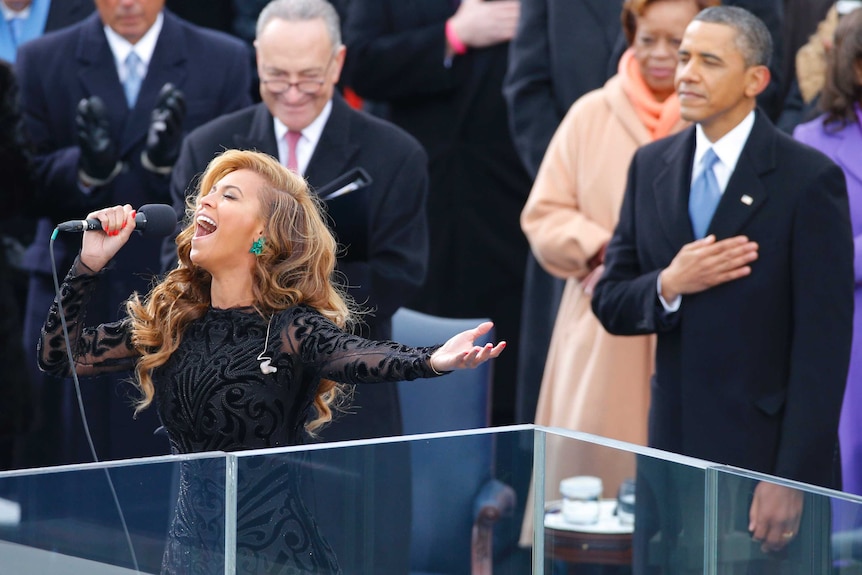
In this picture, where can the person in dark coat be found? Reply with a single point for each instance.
(94, 143)
(18, 191)
(25, 20)
(439, 71)
(749, 290)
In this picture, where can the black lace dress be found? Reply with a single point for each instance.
(213, 396)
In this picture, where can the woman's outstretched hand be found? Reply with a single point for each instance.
(460, 352)
(99, 246)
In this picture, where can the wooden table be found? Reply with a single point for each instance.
(608, 542)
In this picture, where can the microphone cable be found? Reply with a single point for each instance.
(81, 403)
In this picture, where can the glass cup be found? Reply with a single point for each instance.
(581, 499)
(626, 502)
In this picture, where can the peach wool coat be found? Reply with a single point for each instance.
(593, 382)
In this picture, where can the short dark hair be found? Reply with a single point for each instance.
(752, 36)
(841, 90)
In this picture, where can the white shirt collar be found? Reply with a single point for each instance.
(307, 143)
(144, 48)
(728, 149)
(9, 14)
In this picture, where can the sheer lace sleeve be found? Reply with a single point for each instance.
(339, 356)
(100, 349)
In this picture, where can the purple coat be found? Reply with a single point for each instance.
(844, 147)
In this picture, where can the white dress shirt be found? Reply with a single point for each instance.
(144, 48)
(728, 149)
(307, 143)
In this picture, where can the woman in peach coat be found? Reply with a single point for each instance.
(595, 382)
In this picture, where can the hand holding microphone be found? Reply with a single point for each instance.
(98, 248)
(116, 225)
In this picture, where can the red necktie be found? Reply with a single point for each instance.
(292, 138)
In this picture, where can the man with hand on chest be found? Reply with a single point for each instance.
(734, 245)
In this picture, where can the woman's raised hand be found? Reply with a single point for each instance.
(99, 246)
(461, 353)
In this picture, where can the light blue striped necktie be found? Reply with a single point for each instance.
(132, 84)
(705, 195)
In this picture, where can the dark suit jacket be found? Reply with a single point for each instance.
(55, 72)
(749, 373)
(77, 62)
(477, 186)
(15, 400)
(562, 50)
(395, 55)
(215, 14)
(64, 13)
(397, 227)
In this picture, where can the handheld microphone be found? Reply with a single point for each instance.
(150, 220)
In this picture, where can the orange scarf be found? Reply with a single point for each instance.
(658, 118)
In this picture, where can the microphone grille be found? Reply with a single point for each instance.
(161, 219)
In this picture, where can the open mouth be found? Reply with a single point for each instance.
(205, 226)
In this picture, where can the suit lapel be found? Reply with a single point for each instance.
(168, 64)
(261, 133)
(336, 151)
(671, 189)
(98, 73)
(746, 192)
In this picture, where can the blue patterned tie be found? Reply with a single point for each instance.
(132, 85)
(705, 195)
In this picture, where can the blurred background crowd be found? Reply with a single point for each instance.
(497, 135)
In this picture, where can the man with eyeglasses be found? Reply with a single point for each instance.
(303, 121)
(299, 61)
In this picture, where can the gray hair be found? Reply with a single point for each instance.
(752, 36)
(300, 11)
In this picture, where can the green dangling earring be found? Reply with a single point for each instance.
(257, 246)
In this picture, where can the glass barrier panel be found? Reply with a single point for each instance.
(769, 525)
(616, 508)
(444, 503)
(85, 518)
(434, 503)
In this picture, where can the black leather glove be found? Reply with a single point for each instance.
(99, 161)
(166, 130)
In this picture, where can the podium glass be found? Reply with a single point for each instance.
(317, 506)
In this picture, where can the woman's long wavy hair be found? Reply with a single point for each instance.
(842, 89)
(296, 267)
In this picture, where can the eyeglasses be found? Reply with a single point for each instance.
(309, 86)
(279, 87)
